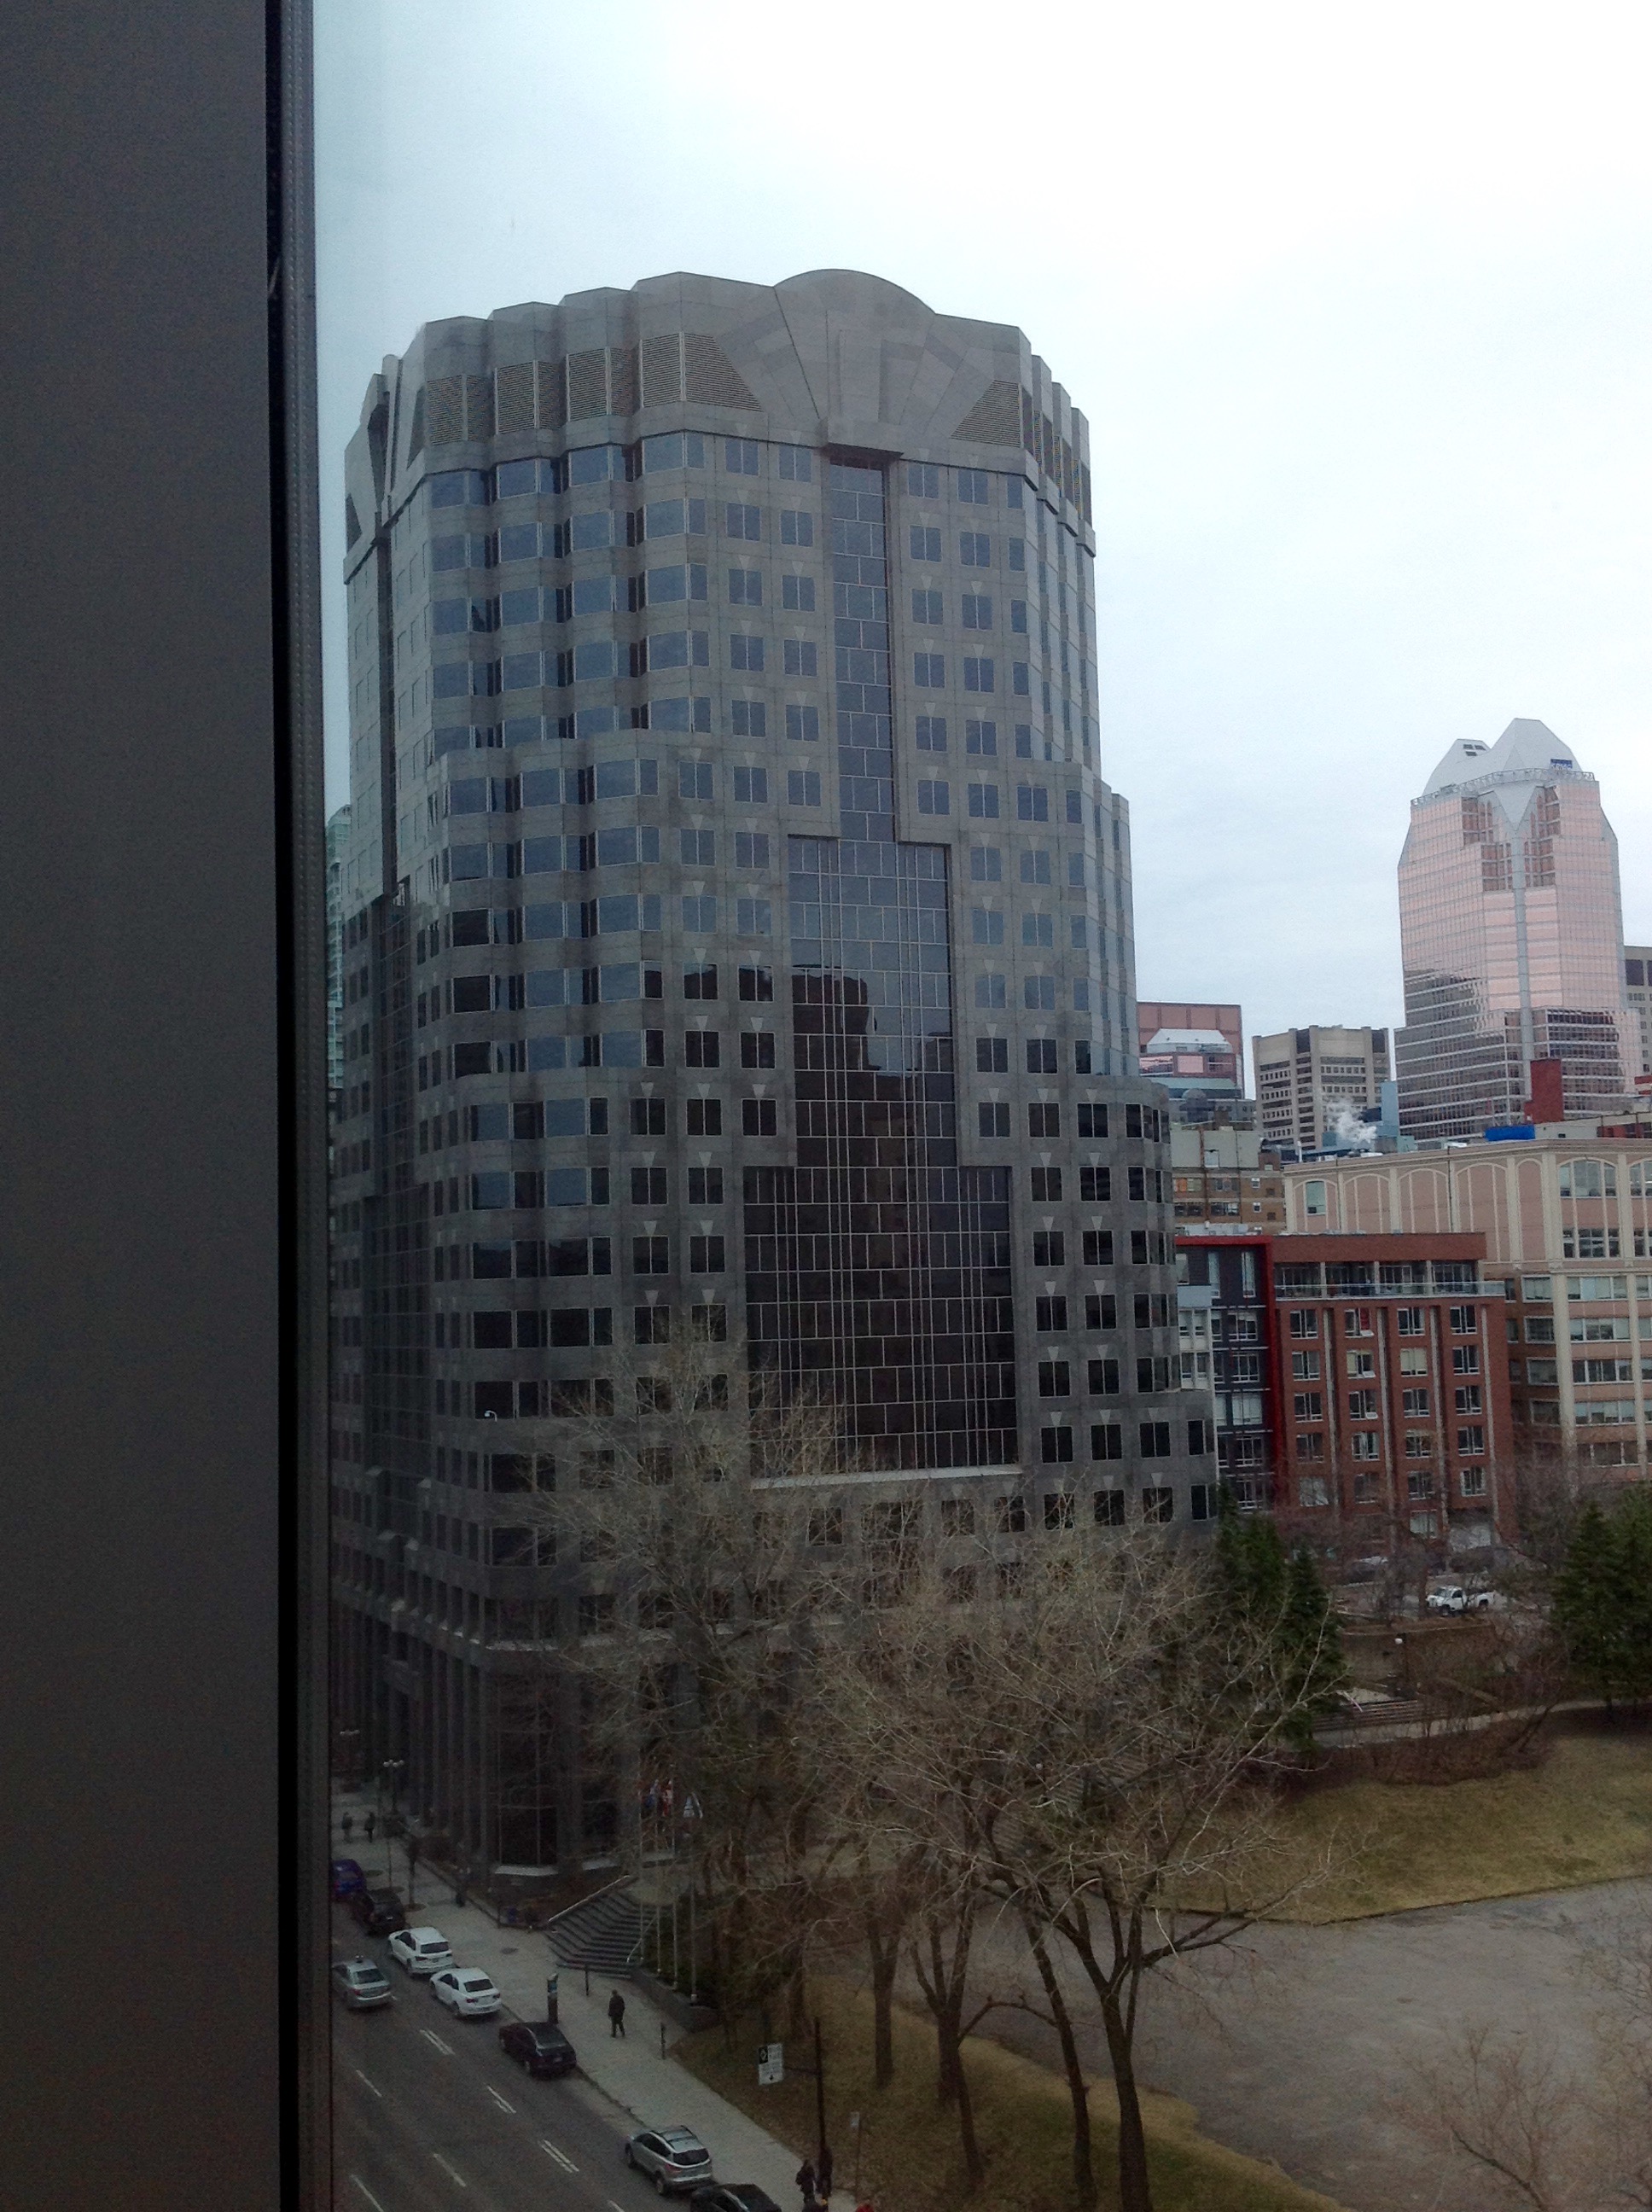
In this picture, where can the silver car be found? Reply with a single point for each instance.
(361, 1983)
(673, 2158)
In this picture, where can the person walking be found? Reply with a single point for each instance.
(823, 2175)
(616, 2015)
(347, 1825)
(370, 1823)
(805, 2180)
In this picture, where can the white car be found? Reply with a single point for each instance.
(420, 1950)
(466, 1993)
(1452, 1599)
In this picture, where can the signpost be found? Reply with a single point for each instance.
(771, 2065)
(550, 1998)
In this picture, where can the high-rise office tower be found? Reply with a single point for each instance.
(1306, 1080)
(738, 943)
(1511, 934)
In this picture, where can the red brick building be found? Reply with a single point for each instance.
(1362, 1384)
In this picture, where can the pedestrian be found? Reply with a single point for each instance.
(348, 1824)
(370, 1823)
(823, 2175)
(806, 2182)
(616, 2015)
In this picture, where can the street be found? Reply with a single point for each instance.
(428, 2115)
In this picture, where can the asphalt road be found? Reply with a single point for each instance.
(430, 2116)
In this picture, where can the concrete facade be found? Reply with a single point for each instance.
(737, 940)
(1638, 990)
(1225, 1176)
(1305, 1079)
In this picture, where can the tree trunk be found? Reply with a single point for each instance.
(885, 1959)
(1135, 2192)
(974, 2165)
(1084, 2170)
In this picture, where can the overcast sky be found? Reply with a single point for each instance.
(1355, 301)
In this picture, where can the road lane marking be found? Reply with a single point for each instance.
(431, 2036)
(362, 2078)
(616, 2208)
(368, 2193)
(504, 2104)
(561, 2156)
(450, 2170)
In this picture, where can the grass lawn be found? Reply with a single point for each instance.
(909, 2159)
(1583, 1814)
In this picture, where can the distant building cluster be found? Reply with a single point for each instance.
(1413, 1282)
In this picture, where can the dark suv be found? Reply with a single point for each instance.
(380, 1912)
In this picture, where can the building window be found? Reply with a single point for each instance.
(1365, 1445)
(1055, 1445)
(1158, 1505)
(1109, 1504)
(1311, 1491)
(1305, 1322)
(1010, 1514)
(1054, 1378)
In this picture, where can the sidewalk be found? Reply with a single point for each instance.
(633, 2070)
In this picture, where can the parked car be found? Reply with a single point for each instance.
(346, 1877)
(380, 1912)
(420, 1950)
(538, 2046)
(361, 1983)
(466, 1992)
(735, 2197)
(674, 2159)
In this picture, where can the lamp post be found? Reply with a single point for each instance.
(394, 1768)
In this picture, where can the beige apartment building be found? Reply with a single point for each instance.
(1305, 1077)
(1225, 1175)
(1568, 1223)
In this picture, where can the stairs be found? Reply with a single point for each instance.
(603, 1932)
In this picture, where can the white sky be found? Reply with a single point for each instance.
(1355, 301)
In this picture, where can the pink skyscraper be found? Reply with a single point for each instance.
(1511, 934)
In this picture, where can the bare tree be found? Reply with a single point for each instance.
(689, 1507)
(1089, 1750)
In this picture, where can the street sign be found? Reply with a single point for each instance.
(771, 2065)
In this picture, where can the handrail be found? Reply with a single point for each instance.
(620, 1881)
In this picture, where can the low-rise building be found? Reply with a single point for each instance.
(1567, 1225)
(1361, 1385)
(1225, 1175)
